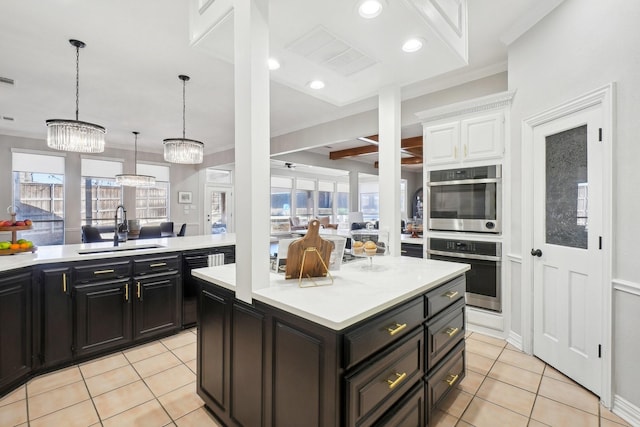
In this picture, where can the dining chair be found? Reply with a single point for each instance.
(150, 232)
(91, 234)
(183, 229)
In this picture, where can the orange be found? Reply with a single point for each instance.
(14, 246)
(24, 245)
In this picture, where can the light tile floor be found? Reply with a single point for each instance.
(154, 385)
(505, 387)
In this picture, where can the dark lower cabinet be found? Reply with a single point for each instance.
(102, 315)
(261, 366)
(15, 327)
(157, 305)
(56, 341)
(412, 250)
(198, 259)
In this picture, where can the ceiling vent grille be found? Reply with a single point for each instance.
(7, 81)
(323, 48)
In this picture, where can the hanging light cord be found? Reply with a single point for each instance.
(77, 81)
(135, 155)
(184, 103)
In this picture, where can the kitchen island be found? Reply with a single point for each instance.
(380, 346)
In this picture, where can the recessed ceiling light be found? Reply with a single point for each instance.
(369, 9)
(412, 45)
(316, 84)
(273, 64)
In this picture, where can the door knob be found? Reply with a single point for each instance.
(536, 252)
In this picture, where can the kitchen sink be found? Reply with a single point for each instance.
(118, 249)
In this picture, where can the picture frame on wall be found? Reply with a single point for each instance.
(184, 196)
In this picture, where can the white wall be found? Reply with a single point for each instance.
(583, 45)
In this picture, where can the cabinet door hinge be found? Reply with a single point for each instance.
(599, 350)
(599, 134)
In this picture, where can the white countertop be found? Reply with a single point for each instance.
(69, 253)
(357, 292)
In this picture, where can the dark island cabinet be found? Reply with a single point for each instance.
(15, 327)
(55, 344)
(231, 330)
(261, 366)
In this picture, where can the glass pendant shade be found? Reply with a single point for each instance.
(135, 180)
(183, 150)
(74, 135)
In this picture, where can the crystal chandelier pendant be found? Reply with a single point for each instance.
(183, 150)
(135, 180)
(74, 135)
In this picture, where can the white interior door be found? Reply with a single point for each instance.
(567, 255)
(218, 210)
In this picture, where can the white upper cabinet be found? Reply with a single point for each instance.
(472, 131)
(441, 143)
(469, 139)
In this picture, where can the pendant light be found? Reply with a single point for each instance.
(135, 180)
(182, 150)
(74, 135)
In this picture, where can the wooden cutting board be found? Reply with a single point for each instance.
(303, 248)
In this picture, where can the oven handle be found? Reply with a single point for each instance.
(464, 256)
(464, 181)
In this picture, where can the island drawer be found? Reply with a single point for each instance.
(408, 412)
(376, 387)
(444, 331)
(110, 269)
(156, 264)
(445, 377)
(382, 331)
(444, 296)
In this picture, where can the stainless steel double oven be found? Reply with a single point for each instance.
(468, 201)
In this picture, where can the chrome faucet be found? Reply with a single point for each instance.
(122, 227)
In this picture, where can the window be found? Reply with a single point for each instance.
(325, 199)
(369, 197)
(281, 196)
(152, 203)
(304, 199)
(38, 195)
(218, 176)
(100, 195)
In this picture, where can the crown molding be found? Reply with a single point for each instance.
(476, 105)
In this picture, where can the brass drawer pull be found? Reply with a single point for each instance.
(138, 290)
(103, 271)
(397, 328)
(450, 294)
(64, 282)
(452, 379)
(400, 377)
(126, 292)
(452, 331)
(158, 264)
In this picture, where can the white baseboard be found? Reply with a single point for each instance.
(515, 340)
(485, 322)
(626, 410)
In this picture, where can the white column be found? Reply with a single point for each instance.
(354, 192)
(252, 187)
(389, 164)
